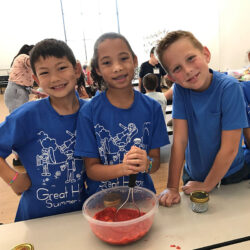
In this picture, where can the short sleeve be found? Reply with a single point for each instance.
(246, 91)
(233, 108)
(179, 111)
(24, 60)
(12, 135)
(27, 62)
(86, 145)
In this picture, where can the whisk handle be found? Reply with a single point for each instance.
(132, 179)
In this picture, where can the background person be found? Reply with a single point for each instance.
(246, 131)
(150, 83)
(20, 84)
(90, 85)
(151, 66)
(80, 86)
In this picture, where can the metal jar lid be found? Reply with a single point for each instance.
(112, 199)
(25, 246)
(199, 196)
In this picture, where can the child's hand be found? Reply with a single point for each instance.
(39, 94)
(21, 183)
(169, 197)
(135, 161)
(192, 186)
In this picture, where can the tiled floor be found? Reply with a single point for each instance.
(9, 200)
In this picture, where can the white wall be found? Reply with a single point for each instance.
(221, 25)
(145, 18)
(234, 33)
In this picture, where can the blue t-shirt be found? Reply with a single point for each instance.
(44, 141)
(220, 107)
(246, 90)
(107, 132)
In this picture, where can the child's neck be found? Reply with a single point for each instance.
(65, 106)
(121, 98)
(150, 91)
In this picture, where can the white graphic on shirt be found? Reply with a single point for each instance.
(113, 148)
(53, 161)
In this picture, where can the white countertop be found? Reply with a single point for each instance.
(227, 218)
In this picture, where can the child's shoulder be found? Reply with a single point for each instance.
(27, 112)
(22, 57)
(245, 85)
(82, 102)
(94, 102)
(224, 79)
(30, 106)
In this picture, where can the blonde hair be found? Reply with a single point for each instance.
(172, 37)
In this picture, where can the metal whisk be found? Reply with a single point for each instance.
(131, 184)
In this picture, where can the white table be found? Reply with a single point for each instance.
(135, 82)
(169, 109)
(227, 218)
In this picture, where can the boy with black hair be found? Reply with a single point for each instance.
(43, 134)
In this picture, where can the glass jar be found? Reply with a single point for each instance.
(199, 200)
(25, 246)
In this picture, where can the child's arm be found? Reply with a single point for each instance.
(180, 138)
(134, 161)
(155, 155)
(169, 94)
(39, 94)
(22, 181)
(246, 132)
(230, 140)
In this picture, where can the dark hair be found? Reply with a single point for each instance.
(172, 37)
(81, 85)
(81, 82)
(150, 81)
(25, 49)
(51, 47)
(152, 51)
(94, 60)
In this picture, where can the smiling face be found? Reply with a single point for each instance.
(116, 65)
(188, 65)
(56, 76)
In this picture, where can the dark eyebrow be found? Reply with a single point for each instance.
(57, 64)
(124, 53)
(104, 58)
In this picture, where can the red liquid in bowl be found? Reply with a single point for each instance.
(124, 234)
(124, 214)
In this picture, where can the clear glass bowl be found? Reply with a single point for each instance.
(124, 232)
